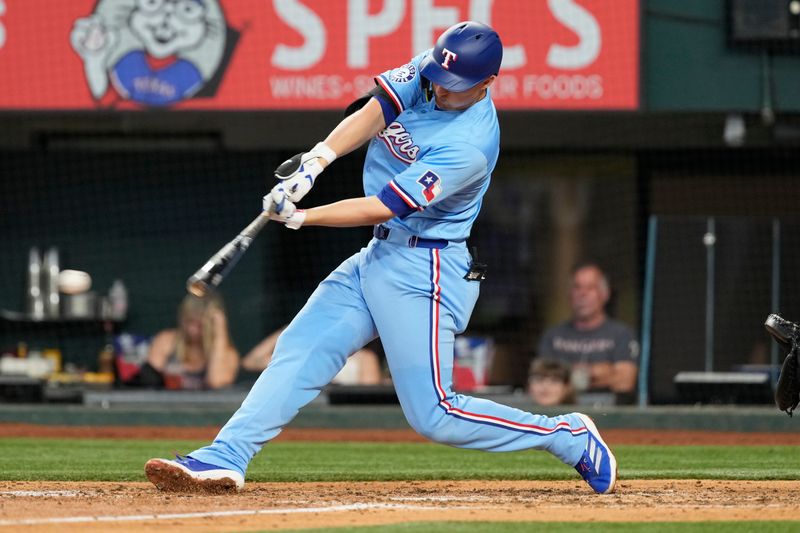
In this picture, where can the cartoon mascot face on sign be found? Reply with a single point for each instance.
(155, 52)
(166, 28)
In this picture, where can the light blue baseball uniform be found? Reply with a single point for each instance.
(431, 168)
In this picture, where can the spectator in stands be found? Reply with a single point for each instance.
(362, 368)
(198, 354)
(603, 353)
(549, 383)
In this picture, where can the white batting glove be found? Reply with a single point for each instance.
(283, 210)
(298, 174)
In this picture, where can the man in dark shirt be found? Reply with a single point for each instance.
(603, 352)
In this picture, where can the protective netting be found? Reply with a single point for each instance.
(163, 156)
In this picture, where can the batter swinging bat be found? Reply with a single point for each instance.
(219, 266)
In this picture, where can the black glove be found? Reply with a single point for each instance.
(787, 334)
(297, 174)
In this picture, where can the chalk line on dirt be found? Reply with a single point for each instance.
(212, 514)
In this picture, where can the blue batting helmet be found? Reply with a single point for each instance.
(464, 55)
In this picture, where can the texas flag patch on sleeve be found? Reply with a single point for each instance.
(431, 185)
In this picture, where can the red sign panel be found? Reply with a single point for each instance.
(301, 54)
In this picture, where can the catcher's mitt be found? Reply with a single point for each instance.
(787, 334)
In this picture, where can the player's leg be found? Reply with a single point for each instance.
(310, 352)
(417, 320)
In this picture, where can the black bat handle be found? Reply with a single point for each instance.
(217, 268)
(254, 227)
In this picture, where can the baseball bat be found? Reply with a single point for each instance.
(211, 274)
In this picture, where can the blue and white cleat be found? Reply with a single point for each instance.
(598, 466)
(185, 474)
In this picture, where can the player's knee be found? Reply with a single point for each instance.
(436, 429)
(435, 434)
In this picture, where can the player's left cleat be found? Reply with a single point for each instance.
(185, 474)
(598, 466)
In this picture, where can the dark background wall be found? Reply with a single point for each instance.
(148, 196)
(151, 219)
(690, 64)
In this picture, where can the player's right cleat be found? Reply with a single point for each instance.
(782, 330)
(598, 466)
(185, 474)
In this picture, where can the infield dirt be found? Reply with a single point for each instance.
(121, 507)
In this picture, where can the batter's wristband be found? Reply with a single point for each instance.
(296, 220)
(323, 150)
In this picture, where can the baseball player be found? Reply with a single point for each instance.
(433, 143)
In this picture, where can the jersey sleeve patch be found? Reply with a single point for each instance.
(431, 185)
(398, 200)
(403, 84)
(403, 74)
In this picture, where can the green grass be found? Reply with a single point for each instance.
(562, 527)
(122, 460)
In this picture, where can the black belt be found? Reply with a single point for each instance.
(382, 233)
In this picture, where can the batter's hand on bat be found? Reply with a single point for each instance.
(283, 210)
(298, 173)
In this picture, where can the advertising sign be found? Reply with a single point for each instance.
(301, 54)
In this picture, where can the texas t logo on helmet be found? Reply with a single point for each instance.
(464, 55)
(448, 56)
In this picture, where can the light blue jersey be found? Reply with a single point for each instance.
(409, 286)
(431, 167)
